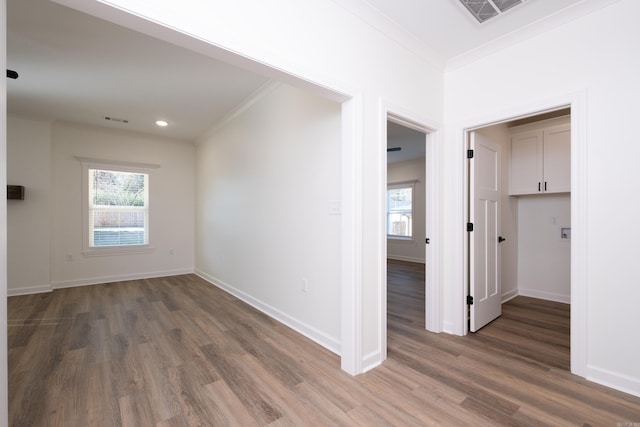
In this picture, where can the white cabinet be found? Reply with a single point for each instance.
(541, 161)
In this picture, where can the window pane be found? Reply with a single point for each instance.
(113, 188)
(400, 199)
(400, 212)
(117, 228)
(399, 224)
(118, 203)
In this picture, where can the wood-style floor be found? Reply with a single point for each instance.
(179, 352)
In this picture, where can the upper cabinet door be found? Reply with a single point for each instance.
(541, 161)
(557, 159)
(526, 163)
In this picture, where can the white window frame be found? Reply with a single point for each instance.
(120, 166)
(395, 186)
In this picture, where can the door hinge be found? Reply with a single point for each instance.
(469, 226)
(427, 241)
(469, 154)
(469, 300)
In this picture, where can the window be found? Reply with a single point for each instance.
(400, 211)
(116, 207)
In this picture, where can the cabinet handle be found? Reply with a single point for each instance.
(538, 186)
(545, 186)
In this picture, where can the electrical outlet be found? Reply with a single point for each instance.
(335, 207)
(69, 257)
(305, 285)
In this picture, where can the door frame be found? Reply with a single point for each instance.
(579, 193)
(433, 316)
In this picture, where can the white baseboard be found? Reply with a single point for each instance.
(613, 380)
(330, 343)
(509, 295)
(406, 258)
(120, 278)
(449, 327)
(370, 361)
(549, 296)
(41, 289)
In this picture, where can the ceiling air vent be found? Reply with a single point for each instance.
(484, 10)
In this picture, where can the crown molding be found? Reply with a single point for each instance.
(527, 32)
(394, 31)
(240, 109)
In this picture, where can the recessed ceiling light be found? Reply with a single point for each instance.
(162, 123)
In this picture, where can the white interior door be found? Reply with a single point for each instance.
(484, 212)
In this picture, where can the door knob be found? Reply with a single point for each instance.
(501, 239)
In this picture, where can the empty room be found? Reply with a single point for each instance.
(196, 224)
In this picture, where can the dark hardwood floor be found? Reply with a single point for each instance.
(179, 352)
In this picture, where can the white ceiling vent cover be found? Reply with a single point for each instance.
(484, 10)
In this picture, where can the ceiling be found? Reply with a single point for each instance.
(412, 143)
(446, 27)
(78, 68)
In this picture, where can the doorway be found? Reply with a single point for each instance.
(405, 227)
(519, 216)
(426, 235)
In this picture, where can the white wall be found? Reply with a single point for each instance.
(596, 57)
(29, 220)
(171, 201)
(265, 183)
(410, 250)
(319, 45)
(544, 259)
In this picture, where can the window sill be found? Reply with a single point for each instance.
(400, 238)
(118, 250)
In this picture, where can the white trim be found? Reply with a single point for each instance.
(613, 380)
(449, 327)
(396, 114)
(579, 194)
(381, 22)
(4, 374)
(549, 296)
(114, 164)
(117, 250)
(508, 296)
(351, 236)
(579, 225)
(90, 281)
(40, 289)
(371, 361)
(399, 184)
(245, 105)
(330, 343)
(400, 239)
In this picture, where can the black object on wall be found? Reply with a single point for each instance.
(15, 192)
